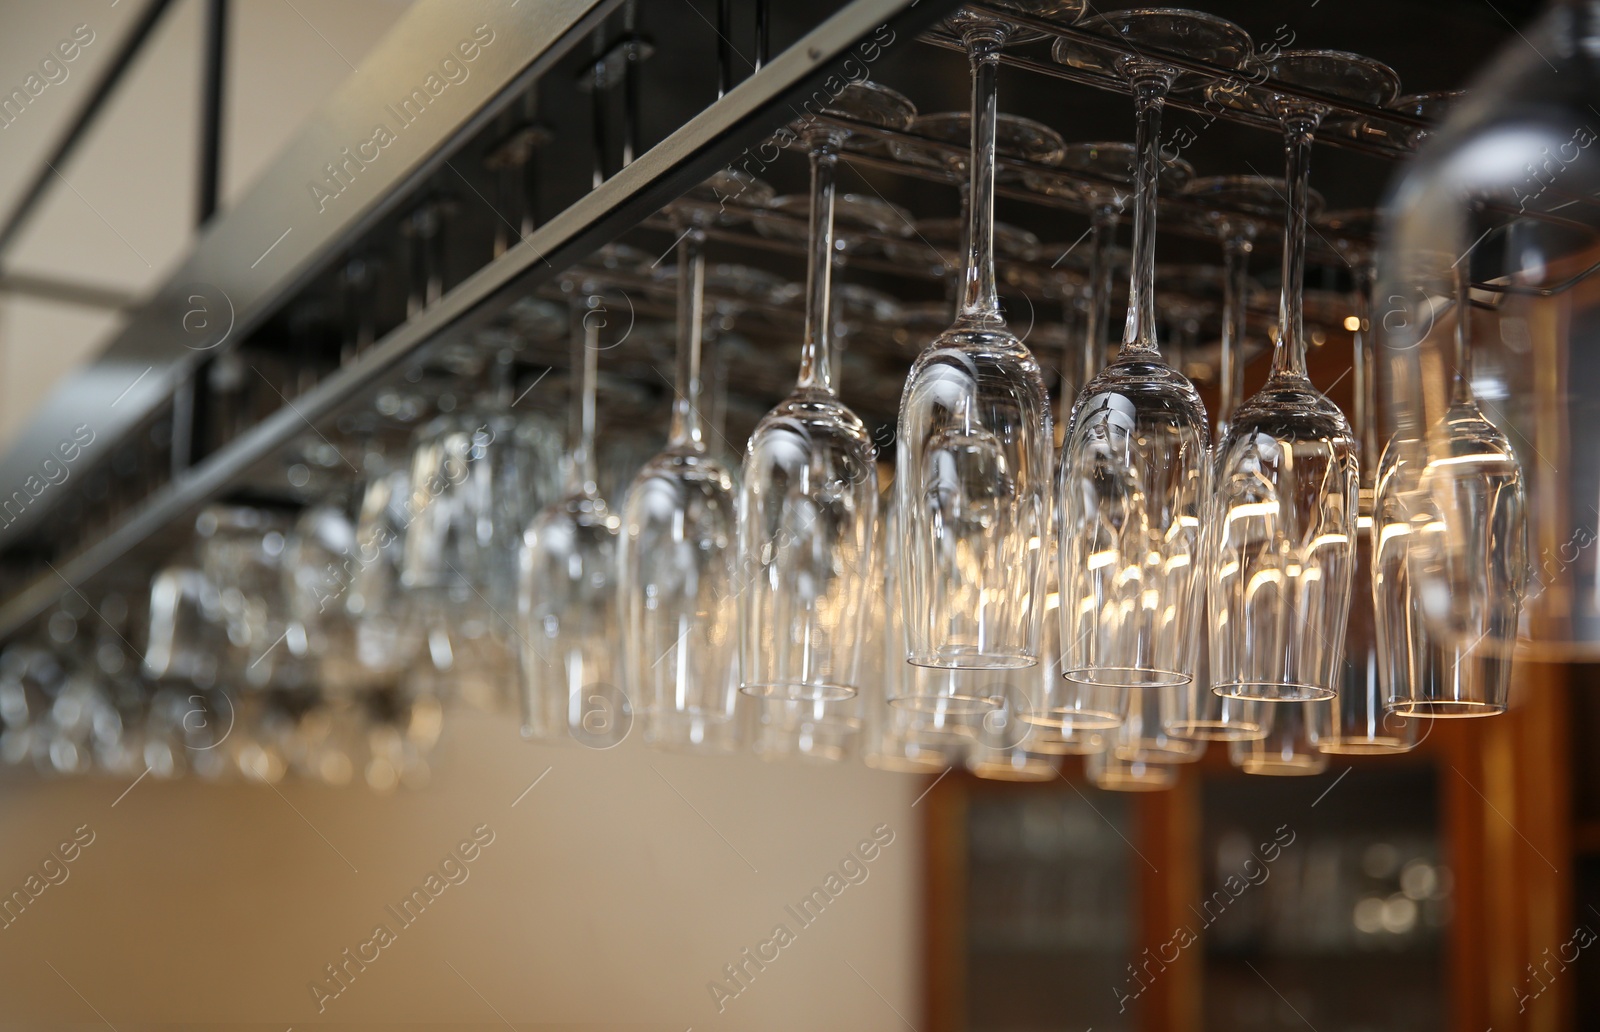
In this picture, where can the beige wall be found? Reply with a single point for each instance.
(121, 214)
(606, 899)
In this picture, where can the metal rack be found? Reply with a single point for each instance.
(275, 255)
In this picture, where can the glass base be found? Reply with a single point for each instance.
(968, 657)
(998, 771)
(1217, 731)
(1136, 782)
(1275, 767)
(1085, 745)
(1075, 720)
(691, 733)
(905, 765)
(1381, 745)
(799, 691)
(1446, 709)
(1273, 691)
(947, 705)
(1127, 677)
(1171, 752)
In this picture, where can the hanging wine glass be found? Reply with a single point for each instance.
(1067, 716)
(1452, 575)
(1360, 723)
(973, 454)
(1145, 733)
(1284, 523)
(387, 635)
(1004, 746)
(809, 730)
(676, 554)
(900, 738)
(1291, 744)
(1136, 468)
(809, 504)
(567, 597)
(1113, 773)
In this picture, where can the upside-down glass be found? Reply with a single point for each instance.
(973, 458)
(1147, 719)
(1112, 773)
(1291, 744)
(1360, 722)
(1457, 527)
(1068, 716)
(676, 555)
(1284, 522)
(1510, 176)
(476, 476)
(809, 502)
(567, 598)
(899, 738)
(1136, 461)
(810, 730)
(381, 612)
(1002, 745)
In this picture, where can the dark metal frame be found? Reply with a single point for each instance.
(749, 111)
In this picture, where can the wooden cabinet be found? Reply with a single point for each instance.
(1432, 891)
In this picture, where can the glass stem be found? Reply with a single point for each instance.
(1102, 234)
(1149, 96)
(980, 305)
(1289, 358)
(816, 353)
(688, 429)
(1235, 285)
(581, 476)
(1461, 379)
(500, 379)
(1364, 414)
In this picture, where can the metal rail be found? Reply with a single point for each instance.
(749, 111)
(247, 263)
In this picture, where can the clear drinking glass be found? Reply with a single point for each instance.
(1112, 773)
(809, 503)
(476, 475)
(1506, 185)
(1284, 522)
(185, 635)
(974, 446)
(1292, 743)
(1145, 732)
(1458, 526)
(1003, 745)
(1136, 461)
(567, 599)
(319, 560)
(900, 738)
(1360, 722)
(676, 555)
(810, 730)
(388, 638)
(1068, 716)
